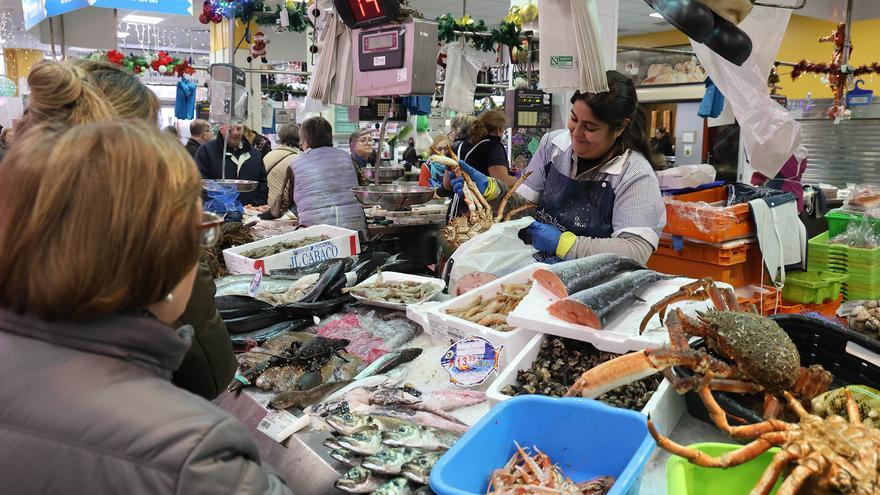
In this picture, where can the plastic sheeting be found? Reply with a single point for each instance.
(769, 133)
(499, 251)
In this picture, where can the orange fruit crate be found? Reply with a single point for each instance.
(725, 254)
(688, 215)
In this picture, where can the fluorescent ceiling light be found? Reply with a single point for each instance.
(656, 14)
(122, 34)
(142, 19)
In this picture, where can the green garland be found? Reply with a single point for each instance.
(279, 92)
(297, 19)
(507, 33)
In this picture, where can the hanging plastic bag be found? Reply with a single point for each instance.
(498, 251)
(223, 200)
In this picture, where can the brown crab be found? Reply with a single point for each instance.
(829, 456)
(763, 357)
(479, 217)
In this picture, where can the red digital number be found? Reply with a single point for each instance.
(365, 9)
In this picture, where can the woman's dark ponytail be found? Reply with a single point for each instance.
(619, 107)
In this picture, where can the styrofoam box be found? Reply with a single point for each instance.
(621, 334)
(665, 407)
(341, 244)
(399, 277)
(451, 328)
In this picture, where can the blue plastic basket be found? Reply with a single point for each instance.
(585, 438)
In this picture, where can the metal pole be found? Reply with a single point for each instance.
(847, 43)
(52, 35)
(63, 40)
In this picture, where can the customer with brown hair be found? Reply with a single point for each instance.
(97, 267)
(87, 91)
(278, 160)
(484, 150)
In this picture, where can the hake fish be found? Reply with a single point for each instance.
(366, 442)
(394, 486)
(345, 456)
(419, 469)
(359, 480)
(390, 459)
(420, 437)
(349, 423)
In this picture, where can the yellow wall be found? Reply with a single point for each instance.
(801, 42)
(19, 62)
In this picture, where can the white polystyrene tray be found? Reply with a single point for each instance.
(665, 407)
(342, 243)
(399, 277)
(447, 327)
(621, 333)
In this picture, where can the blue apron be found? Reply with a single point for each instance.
(582, 207)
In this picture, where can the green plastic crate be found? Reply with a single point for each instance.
(859, 293)
(685, 478)
(812, 287)
(839, 220)
(819, 248)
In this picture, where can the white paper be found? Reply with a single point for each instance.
(279, 425)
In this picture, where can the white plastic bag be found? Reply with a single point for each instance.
(498, 251)
(770, 135)
(684, 176)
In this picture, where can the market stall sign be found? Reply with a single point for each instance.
(35, 11)
(360, 13)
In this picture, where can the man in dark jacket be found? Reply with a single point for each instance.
(241, 161)
(199, 133)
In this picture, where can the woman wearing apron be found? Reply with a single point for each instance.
(483, 149)
(594, 184)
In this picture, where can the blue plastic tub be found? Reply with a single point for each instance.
(585, 438)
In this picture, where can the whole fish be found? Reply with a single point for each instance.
(301, 399)
(237, 306)
(569, 277)
(425, 490)
(349, 423)
(359, 480)
(452, 399)
(419, 469)
(333, 444)
(420, 437)
(240, 285)
(394, 486)
(389, 460)
(389, 361)
(319, 267)
(413, 416)
(264, 334)
(594, 307)
(327, 279)
(345, 456)
(254, 322)
(366, 442)
(307, 309)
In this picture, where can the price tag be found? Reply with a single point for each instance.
(255, 283)
(470, 361)
(278, 425)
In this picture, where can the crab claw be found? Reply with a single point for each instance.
(629, 368)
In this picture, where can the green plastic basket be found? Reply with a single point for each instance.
(812, 287)
(867, 259)
(839, 220)
(684, 478)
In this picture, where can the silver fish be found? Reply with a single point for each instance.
(359, 480)
(349, 423)
(367, 442)
(389, 361)
(333, 444)
(419, 469)
(239, 285)
(344, 456)
(394, 486)
(420, 437)
(390, 460)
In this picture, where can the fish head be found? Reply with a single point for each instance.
(354, 477)
(348, 423)
(343, 455)
(402, 433)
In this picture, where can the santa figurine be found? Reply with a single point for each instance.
(258, 48)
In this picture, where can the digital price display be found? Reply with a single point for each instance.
(360, 13)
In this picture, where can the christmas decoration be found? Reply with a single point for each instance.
(258, 48)
(161, 63)
(508, 33)
(7, 87)
(257, 11)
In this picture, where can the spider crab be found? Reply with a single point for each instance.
(829, 456)
(479, 216)
(762, 358)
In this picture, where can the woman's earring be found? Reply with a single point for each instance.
(169, 297)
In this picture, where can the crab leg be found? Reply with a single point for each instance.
(503, 204)
(695, 291)
(517, 210)
(748, 431)
(798, 477)
(852, 409)
(637, 365)
(730, 459)
(771, 474)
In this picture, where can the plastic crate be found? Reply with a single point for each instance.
(839, 220)
(685, 478)
(739, 275)
(713, 224)
(819, 342)
(813, 287)
(856, 292)
(585, 438)
(725, 254)
(867, 259)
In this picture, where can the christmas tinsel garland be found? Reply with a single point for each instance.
(508, 33)
(161, 63)
(257, 11)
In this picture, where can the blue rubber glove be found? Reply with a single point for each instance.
(545, 238)
(480, 179)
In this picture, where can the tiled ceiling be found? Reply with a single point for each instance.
(635, 18)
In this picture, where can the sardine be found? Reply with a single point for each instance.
(389, 460)
(420, 437)
(419, 469)
(366, 442)
(345, 456)
(395, 486)
(594, 307)
(301, 399)
(359, 480)
(569, 277)
(389, 361)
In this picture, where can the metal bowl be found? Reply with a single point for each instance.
(393, 197)
(221, 184)
(386, 174)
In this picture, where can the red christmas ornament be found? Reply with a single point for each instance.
(115, 57)
(217, 17)
(204, 19)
